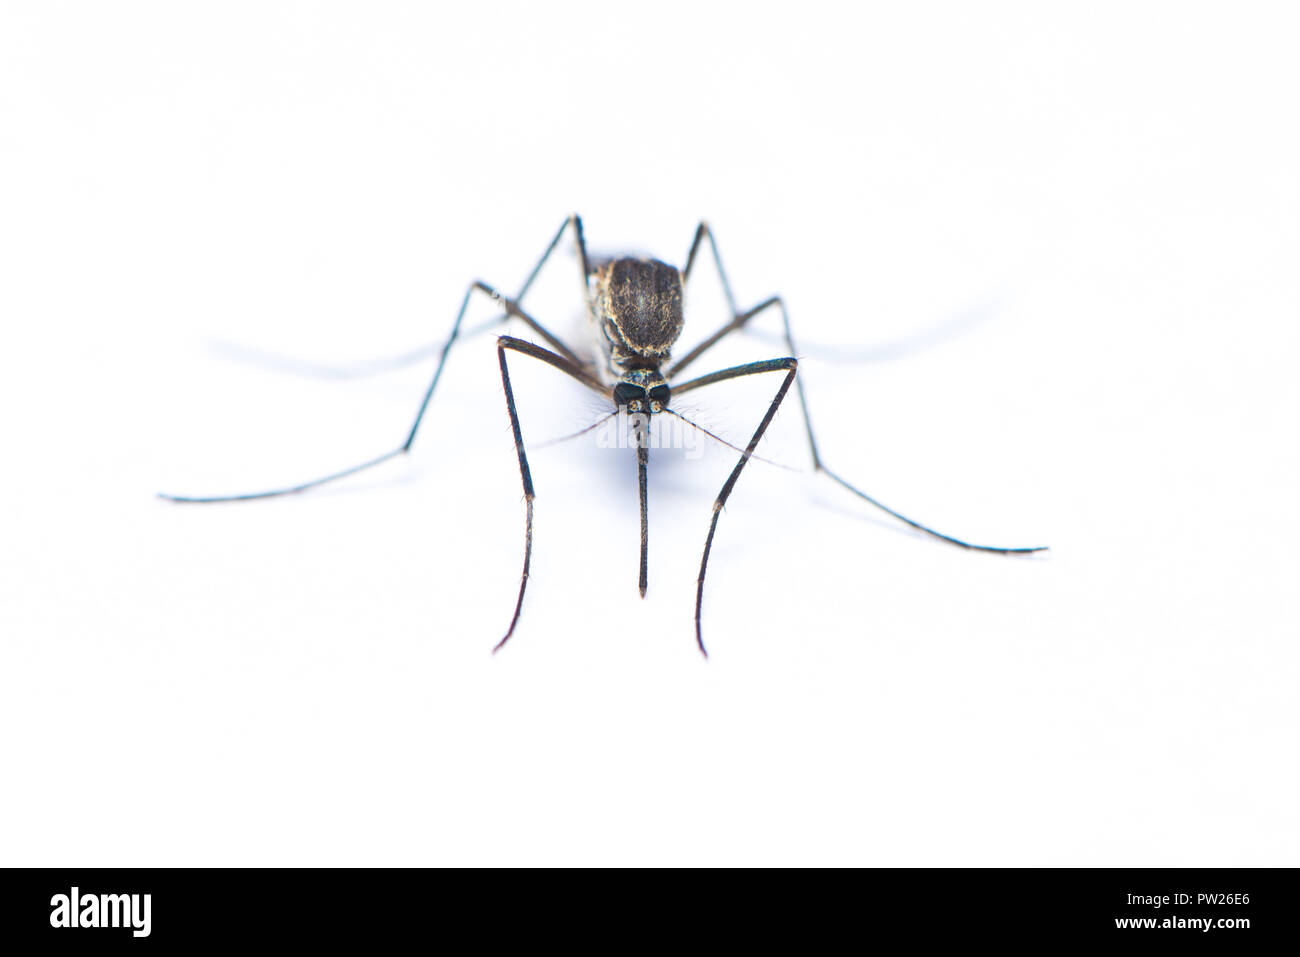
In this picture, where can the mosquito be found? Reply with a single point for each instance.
(635, 307)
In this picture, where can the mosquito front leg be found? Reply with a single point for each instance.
(571, 369)
(790, 366)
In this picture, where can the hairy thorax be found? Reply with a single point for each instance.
(637, 307)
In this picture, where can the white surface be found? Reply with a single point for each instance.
(1064, 242)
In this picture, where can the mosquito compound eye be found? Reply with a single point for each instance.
(659, 398)
(629, 395)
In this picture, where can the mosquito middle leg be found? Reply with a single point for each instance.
(511, 308)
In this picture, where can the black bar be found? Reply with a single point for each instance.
(859, 908)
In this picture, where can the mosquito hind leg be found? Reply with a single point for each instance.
(370, 367)
(739, 320)
(574, 222)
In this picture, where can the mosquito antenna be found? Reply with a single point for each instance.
(591, 428)
(734, 448)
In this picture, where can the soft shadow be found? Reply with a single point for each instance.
(944, 330)
(363, 368)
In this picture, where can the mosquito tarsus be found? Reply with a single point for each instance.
(636, 308)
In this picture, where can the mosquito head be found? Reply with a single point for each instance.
(642, 390)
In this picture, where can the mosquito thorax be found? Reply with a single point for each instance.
(637, 307)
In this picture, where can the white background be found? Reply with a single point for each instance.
(1043, 266)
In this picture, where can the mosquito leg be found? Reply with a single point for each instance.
(570, 368)
(790, 366)
(997, 549)
(574, 222)
(738, 321)
(702, 231)
(512, 309)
